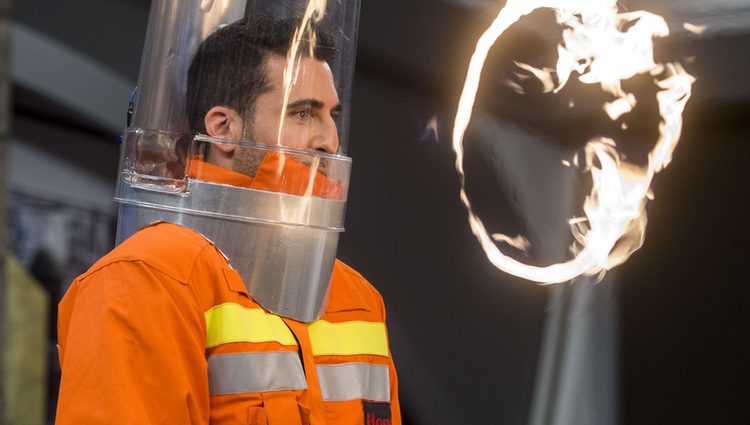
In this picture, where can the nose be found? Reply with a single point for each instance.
(327, 139)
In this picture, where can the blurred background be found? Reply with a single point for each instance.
(661, 340)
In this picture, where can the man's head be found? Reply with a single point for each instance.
(236, 90)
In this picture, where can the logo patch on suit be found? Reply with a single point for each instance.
(377, 413)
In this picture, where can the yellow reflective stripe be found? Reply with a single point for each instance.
(348, 338)
(232, 322)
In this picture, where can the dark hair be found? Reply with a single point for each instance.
(228, 69)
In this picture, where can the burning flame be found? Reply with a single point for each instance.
(695, 29)
(603, 47)
(431, 130)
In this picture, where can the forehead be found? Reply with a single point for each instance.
(313, 78)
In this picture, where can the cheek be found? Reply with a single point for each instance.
(263, 130)
(295, 136)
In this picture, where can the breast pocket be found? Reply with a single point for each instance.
(256, 416)
(282, 408)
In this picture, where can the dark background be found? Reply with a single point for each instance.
(465, 336)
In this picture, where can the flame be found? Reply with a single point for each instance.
(695, 29)
(602, 47)
(515, 86)
(544, 75)
(431, 129)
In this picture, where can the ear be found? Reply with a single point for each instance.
(223, 122)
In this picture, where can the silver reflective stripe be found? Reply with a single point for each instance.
(255, 372)
(354, 381)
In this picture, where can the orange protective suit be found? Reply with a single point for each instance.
(162, 331)
(276, 173)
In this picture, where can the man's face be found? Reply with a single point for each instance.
(308, 122)
(309, 119)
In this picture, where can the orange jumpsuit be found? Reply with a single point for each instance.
(162, 331)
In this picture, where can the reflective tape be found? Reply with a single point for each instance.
(348, 338)
(354, 381)
(255, 372)
(231, 322)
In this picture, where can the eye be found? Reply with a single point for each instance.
(302, 114)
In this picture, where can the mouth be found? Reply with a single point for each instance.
(317, 165)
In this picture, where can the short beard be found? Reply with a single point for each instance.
(247, 160)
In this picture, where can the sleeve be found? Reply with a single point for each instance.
(131, 348)
(393, 378)
(395, 405)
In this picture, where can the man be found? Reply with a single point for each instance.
(223, 96)
(164, 329)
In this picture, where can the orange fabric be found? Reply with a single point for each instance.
(276, 173)
(206, 171)
(312, 398)
(282, 173)
(132, 338)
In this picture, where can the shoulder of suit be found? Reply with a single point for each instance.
(351, 291)
(166, 247)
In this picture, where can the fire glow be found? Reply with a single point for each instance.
(603, 47)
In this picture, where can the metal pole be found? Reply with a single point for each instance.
(4, 135)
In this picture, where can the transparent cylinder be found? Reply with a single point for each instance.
(177, 29)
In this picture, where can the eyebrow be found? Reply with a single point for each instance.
(313, 103)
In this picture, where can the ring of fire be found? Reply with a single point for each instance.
(604, 47)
